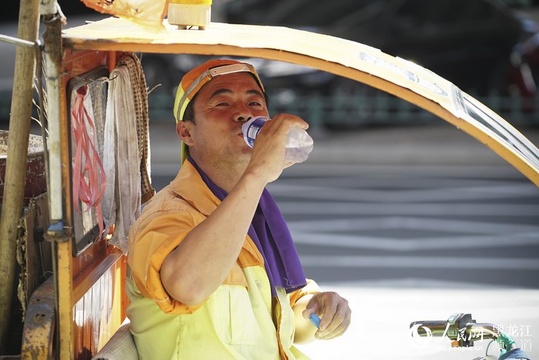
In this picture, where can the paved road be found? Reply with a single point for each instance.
(414, 225)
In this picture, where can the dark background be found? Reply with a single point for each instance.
(11, 8)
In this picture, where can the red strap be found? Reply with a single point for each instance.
(89, 179)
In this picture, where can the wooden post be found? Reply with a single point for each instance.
(19, 131)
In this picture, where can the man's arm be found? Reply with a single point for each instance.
(203, 260)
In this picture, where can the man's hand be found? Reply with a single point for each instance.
(334, 312)
(268, 152)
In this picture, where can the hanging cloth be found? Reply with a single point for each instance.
(126, 149)
(122, 157)
(89, 179)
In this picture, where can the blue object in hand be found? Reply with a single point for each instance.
(315, 319)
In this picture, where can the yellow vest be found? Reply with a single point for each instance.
(238, 321)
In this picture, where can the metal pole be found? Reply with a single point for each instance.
(52, 40)
(17, 154)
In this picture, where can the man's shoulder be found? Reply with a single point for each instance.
(165, 200)
(165, 209)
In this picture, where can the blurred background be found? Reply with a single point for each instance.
(488, 48)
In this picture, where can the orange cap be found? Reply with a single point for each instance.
(195, 79)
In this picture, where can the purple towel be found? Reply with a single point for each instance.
(272, 238)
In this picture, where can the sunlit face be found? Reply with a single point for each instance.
(221, 107)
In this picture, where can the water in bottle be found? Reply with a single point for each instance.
(298, 146)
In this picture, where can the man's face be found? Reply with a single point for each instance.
(221, 107)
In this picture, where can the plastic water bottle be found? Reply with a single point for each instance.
(298, 146)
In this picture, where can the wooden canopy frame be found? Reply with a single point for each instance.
(353, 60)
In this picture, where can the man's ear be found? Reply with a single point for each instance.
(183, 129)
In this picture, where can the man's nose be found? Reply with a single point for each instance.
(243, 118)
(242, 113)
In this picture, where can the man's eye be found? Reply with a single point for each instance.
(222, 103)
(255, 103)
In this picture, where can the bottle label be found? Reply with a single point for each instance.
(299, 143)
(251, 129)
(252, 132)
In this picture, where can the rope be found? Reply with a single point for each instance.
(140, 97)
